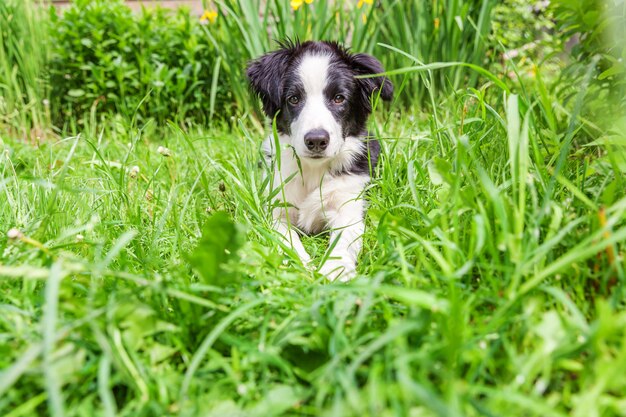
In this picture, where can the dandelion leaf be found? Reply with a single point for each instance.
(220, 241)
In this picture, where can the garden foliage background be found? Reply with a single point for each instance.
(139, 274)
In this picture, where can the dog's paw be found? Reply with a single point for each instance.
(308, 264)
(334, 269)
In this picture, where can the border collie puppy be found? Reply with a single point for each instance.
(324, 156)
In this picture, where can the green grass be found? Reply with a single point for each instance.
(140, 275)
(23, 56)
(491, 280)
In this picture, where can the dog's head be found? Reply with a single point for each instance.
(312, 87)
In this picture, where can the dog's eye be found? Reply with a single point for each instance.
(293, 100)
(339, 99)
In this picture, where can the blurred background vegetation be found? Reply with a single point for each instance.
(97, 57)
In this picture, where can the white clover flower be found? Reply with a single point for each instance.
(14, 234)
(134, 171)
(164, 151)
(540, 386)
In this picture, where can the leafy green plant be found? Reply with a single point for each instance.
(221, 238)
(596, 30)
(156, 64)
(599, 27)
(516, 23)
(523, 32)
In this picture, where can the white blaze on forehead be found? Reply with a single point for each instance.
(315, 114)
(313, 73)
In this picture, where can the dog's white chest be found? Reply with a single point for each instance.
(306, 194)
(314, 196)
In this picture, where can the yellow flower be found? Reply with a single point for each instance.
(210, 15)
(436, 23)
(362, 2)
(295, 4)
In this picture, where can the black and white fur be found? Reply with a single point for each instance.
(326, 155)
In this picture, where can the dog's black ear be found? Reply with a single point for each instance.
(364, 64)
(265, 75)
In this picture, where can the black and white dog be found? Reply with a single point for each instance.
(324, 156)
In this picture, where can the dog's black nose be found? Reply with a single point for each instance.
(317, 140)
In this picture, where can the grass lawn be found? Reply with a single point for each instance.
(140, 274)
(491, 280)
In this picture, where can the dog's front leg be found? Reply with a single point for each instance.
(291, 237)
(347, 229)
